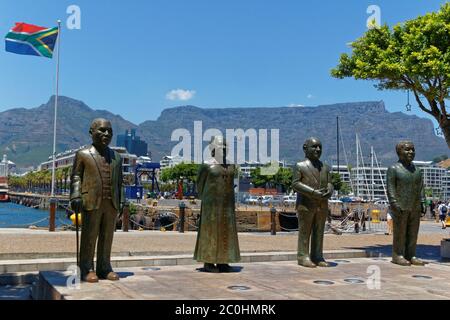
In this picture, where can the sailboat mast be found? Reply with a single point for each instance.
(371, 169)
(357, 167)
(337, 146)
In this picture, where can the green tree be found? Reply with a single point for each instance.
(183, 170)
(336, 181)
(345, 189)
(440, 158)
(414, 55)
(429, 192)
(282, 178)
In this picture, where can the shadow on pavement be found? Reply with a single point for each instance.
(424, 251)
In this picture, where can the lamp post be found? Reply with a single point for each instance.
(273, 229)
(182, 216)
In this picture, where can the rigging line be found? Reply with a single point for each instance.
(364, 168)
(346, 160)
(381, 177)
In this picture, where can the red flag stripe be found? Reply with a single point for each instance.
(27, 28)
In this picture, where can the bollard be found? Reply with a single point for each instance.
(182, 217)
(51, 222)
(356, 227)
(125, 217)
(273, 225)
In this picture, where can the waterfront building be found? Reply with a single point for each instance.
(344, 173)
(369, 182)
(434, 177)
(6, 167)
(66, 159)
(247, 167)
(132, 143)
(446, 186)
(170, 161)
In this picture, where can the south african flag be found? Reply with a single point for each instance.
(33, 40)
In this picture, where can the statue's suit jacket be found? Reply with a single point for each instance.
(305, 182)
(405, 188)
(86, 181)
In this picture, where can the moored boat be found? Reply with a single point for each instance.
(4, 189)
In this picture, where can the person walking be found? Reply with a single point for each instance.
(443, 210)
(389, 223)
(138, 197)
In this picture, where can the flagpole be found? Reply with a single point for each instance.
(52, 199)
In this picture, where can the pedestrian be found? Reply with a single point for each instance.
(432, 207)
(443, 209)
(436, 211)
(138, 197)
(389, 223)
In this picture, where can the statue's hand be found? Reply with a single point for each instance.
(317, 194)
(76, 205)
(327, 193)
(395, 207)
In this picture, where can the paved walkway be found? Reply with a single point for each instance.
(354, 279)
(23, 241)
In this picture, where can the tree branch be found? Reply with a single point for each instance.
(421, 106)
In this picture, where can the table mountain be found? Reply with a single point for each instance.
(26, 135)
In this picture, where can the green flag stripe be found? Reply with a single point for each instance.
(33, 41)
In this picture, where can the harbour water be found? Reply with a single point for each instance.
(17, 216)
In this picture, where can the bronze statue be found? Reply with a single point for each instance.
(312, 182)
(406, 197)
(96, 191)
(217, 239)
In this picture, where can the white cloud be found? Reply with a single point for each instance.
(310, 96)
(180, 94)
(294, 105)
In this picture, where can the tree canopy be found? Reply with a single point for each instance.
(414, 55)
(183, 170)
(283, 178)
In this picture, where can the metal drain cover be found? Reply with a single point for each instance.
(151, 269)
(239, 288)
(342, 261)
(380, 259)
(354, 280)
(324, 282)
(419, 276)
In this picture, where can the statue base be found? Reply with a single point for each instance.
(445, 248)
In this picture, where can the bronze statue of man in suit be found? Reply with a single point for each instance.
(406, 195)
(96, 192)
(312, 182)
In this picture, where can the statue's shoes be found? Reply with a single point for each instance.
(417, 262)
(91, 277)
(224, 268)
(322, 263)
(111, 276)
(210, 267)
(306, 263)
(401, 261)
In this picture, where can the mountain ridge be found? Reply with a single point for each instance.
(26, 135)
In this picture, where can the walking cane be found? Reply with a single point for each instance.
(76, 231)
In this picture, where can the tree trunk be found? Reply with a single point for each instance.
(445, 126)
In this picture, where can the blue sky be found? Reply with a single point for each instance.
(128, 55)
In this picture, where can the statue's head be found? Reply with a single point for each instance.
(406, 151)
(101, 132)
(218, 147)
(312, 148)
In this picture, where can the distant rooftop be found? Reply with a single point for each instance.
(444, 164)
